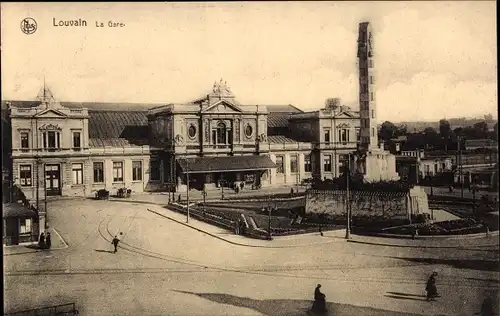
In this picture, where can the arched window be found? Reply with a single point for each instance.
(221, 133)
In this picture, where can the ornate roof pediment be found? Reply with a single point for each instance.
(50, 127)
(222, 106)
(343, 125)
(52, 113)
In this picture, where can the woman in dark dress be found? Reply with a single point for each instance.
(48, 241)
(41, 241)
(319, 304)
(431, 287)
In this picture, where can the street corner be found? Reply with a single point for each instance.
(58, 243)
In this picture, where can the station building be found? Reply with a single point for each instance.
(75, 149)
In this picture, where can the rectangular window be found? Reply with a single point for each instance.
(25, 226)
(327, 135)
(294, 164)
(118, 171)
(343, 135)
(25, 140)
(327, 163)
(307, 163)
(98, 172)
(357, 134)
(51, 139)
(370, 63)
(373, 113)
(154, 170)
(136, 170)
(25, 175)
(77, 170)
(373, 132)
(279, 164)
(76, 140)
(214, 137)
(371, 79)
(371, 96)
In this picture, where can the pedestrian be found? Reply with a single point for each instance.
(115, 242)
(319, 304)
(320, 231)
(48, 241)
(41, 241)
(431, 287)
(242, 185)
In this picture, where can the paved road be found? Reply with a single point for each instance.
(167, 268)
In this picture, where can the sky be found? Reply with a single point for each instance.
(433, 60)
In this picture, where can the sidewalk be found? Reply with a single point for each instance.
(58, 243)
(309, 239)
(225, 235)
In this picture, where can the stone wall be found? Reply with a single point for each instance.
(387, 204)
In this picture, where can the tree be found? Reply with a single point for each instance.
(332, 103)
(387, 130)
(445, 132)
(431, 136)
(480, 130)
(401, 130)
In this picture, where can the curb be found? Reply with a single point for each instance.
(255, 246)
(405, 246)
(41, 250)
(437, 237)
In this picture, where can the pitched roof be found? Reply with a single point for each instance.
(480, 143)
(280, 139)
(283, 109)
(108, 106)
(277, 119)
(118, 128)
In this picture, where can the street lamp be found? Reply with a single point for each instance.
(222, 183)
(187, 185)
(204, 197)
(348, 209)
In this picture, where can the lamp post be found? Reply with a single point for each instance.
(473, 185)
(269, 208)
(222, 183)
(460, 167)
(204, 197)
(348, 209)
(187, 187)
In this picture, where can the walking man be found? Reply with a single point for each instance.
(115, 242)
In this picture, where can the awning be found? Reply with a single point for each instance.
(17, 210)
(227, 163)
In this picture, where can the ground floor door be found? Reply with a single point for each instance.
(11, 231)
(53, 180)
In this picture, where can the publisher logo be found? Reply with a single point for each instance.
(28, 26)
